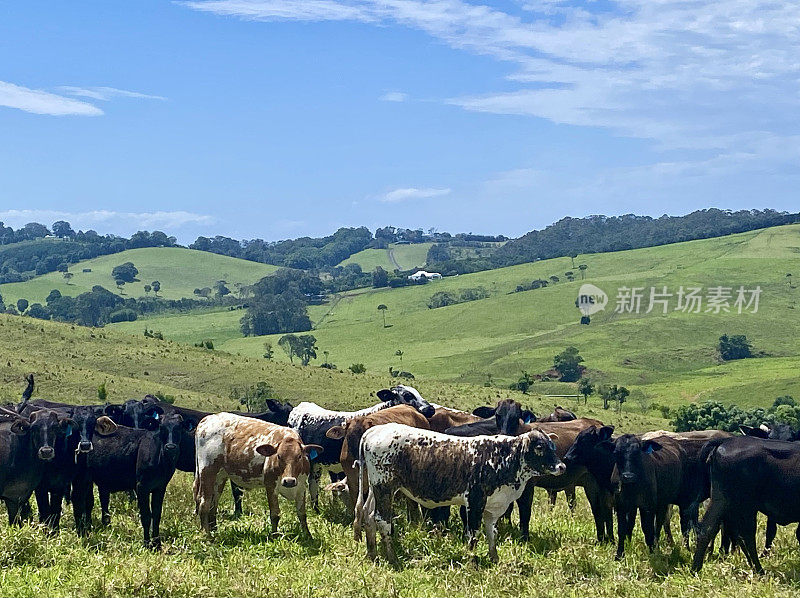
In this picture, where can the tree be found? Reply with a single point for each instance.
(290, 345)
(382, 308)
(380, 278)
(586, 388)
(567, 364)
(68, 276)
(621, 394)
(570, 275)
(572, 257)
(62, 229)
(148, 288)
(221, 288)
(789, 279)
(22, 305)
(307, 349)
(269, 352)
(125, 272)
(583, 268)
(523, 384)
(205, 292)
(37, 310)
(102, 393)
(734, 347)
(400, 354)
(554, 279)
(357, 368)
(156, 287)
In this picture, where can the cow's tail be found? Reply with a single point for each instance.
(703, 483)
(363, 486)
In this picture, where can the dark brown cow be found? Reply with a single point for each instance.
(444, 418)
(352, 431)
(559, 415)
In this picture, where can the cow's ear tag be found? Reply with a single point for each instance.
(649, 449)
(69, 430)
(312, 454)
(528, 419)
(155, 415)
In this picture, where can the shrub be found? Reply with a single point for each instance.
(734, 347)
(357, 368)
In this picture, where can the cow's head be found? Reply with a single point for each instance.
(135, 413)
(406, 395)
(43, 429)
(288, 460)
(540, 453)
(582, 450)
(776, 432)
(278, 412)
(629, 455)
(526, 415)
(171, 430)
(88, 422)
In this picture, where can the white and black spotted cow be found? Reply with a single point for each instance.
(485, 474)
(312, 422)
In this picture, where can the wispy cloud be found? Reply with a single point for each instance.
(687, 74)
(108, 219)
(43, 102)
(394, 96)
(407, 193)
(106, 93)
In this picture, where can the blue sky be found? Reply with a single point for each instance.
(280, 118)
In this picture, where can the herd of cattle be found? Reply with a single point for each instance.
(434, 456)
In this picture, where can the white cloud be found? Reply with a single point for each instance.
(43, 102)
(394, 96)
(684, 73)
(407, 193)
(108, 220)
(106, 93)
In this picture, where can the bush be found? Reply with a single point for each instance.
(254, 398)
(357, 368)
(165, 398)
(734, 347)
(445, 298)
(205, 344)
(714, 415)
(122, 315)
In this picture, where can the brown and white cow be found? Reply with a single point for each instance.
(252, 453)
(483, 473)
(352, 431)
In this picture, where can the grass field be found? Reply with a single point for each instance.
(405, 257)
(670, 357)
(243, 559)
(179, 271)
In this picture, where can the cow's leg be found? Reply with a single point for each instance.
(13, 508)
(648, 518)
(105, 498)
(210, 483)
(313, 485)
(661, 515)
(157, 507)
(274, 508)
(237, 500)
(600, 504)
(145, 514)
(772, 530)
(56, 504)
(570, 494)
(747, 533)
(708, 529)
(300, 507)
(366, 512)
(462, 512)
(623, 531)
(686, 524)
(553, 496)
(82, 505)
(668, 527)
(524, 503)
(490, 529)
(476, 503)
(43, 505)
(383, 519)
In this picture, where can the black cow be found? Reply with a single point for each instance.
(505, 419)
(26, 446)
(559, 415)
(132, 459)
(749, 475)
(649, 477)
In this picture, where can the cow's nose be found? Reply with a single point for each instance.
(289, 482)
(85, 446)
(559, 469)
(628, 477)
(46, 453)
(170, 447)
(429, 411)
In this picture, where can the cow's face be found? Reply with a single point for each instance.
(507, 415)
(43, 429)
(88, 423)
(171, 430)
(407, 395)
(581, 451)
(540, 454)
(280, 412)
(288, 461)
(629, 455)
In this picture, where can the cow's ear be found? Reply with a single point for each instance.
(650, 446)
(266, 450)
(608, 445)
(552, 436)
(335, 433)
(20, 427)
(756, 432)
(189, 425)
(484, 411)
(154, 411)
(273, 405)
(105, 426)
(66, 425)
(312, 450)
(528, 416)
(386, 395)
(150, 424)
(113, 411)
(605, 433)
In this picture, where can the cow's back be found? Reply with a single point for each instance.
(664, 470)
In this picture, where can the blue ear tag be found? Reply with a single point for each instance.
(69, 430)
(155, 415)
(649, 449)
(313, 454)
(527, 419)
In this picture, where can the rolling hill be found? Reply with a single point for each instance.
(670, 358)
(396, 256)
(179, 271)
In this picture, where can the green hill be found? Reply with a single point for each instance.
(402, 256)
(670, 357)
(179, 271)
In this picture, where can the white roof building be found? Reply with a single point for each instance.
(423, 274)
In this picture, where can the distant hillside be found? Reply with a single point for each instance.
(670, 358)
(179, 271)
(403, 257)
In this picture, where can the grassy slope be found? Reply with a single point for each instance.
(562, 558)
(179, 270)
(671, 358)
(406, 256)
